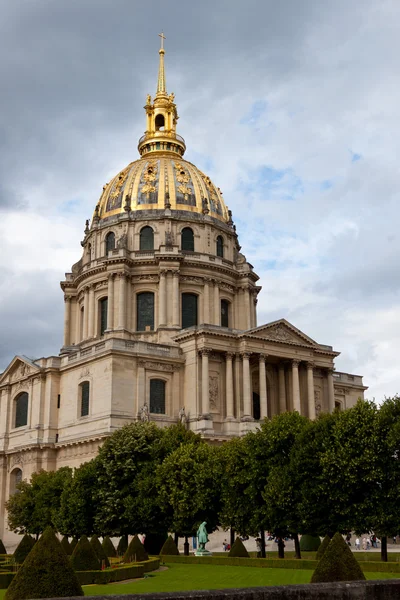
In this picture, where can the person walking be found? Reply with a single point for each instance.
(357, 543)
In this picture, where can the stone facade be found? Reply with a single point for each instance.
(161, 325)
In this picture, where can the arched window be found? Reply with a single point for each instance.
(110, 242)
(157, 396)
(187, 239)
(189, 310)
(160, 122)
(84, 398)
(103, 309)
(224, 313)
(256, 406)
(145, 311)
(146, 238)
(21, 410)
(15, 479)
(220, 246)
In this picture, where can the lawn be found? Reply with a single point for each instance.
(201, 577)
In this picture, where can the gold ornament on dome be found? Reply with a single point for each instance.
(150, 173)
(148, 189)
(120, 183)
(181, 175)
(185, 190)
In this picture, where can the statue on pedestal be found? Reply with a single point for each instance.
(202, 537)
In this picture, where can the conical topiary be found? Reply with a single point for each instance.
(309, 543)
(337, 563)
(238, 549)
(2, 548)
(84, 557)
(135, 551)
(98, 548)
(108, 547)
(169, 548)
(66, 545)
(46, 573)
(23, 549)
(122, 545)
(323, 547)
(73, 543)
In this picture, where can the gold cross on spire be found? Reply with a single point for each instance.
(162, 36)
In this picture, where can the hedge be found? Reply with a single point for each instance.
(337, 563)
(118, 574)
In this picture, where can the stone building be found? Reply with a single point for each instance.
(160, 325)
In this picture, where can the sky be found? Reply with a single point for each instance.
(291, 107)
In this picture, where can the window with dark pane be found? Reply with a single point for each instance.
(146, 239)
(187, 239)
(85, 393)
(15, 479)
(145, 311)
(189, 310)
(110, 242)
(157, 396)
(224, 313)
(256, 407)
(103, 306)
(21, 410)
(220, 246)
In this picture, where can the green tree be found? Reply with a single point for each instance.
(188, 488)
(78, 502)
(36, 503)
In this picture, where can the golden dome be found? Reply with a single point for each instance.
(160, 182)
(161, 178)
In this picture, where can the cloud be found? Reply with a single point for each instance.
(293, 110)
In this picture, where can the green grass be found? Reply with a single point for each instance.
(179, 577)
(203, 577)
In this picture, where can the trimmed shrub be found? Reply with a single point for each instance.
(337, 563)
(108, 547)
(122, 545)
(135, 551)
(2, 548)
(84, 557)
(309, 543)
(98, 548)
(238, 549)
(153, 542)
(169, 548)
(73, 543)
(23, 548)
(323, 547)
(66, 546)
(45, 573)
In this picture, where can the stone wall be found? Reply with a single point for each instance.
(357, 590)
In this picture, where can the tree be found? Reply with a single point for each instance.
(78, 502)
(33, 507)
(127, 496)
(188, 488)
(46, 573)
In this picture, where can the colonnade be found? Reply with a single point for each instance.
(242, 308)
(240, 382)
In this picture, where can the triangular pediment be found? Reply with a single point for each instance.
(19, 368)
(282, 331)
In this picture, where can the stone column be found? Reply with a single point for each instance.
(141, 385)
(282, 388)
(263, 387)
(175, 299)
(229, 387)
(110, 302)
(310, 390)
(122, 302)
(205, 384)
(77, 321)
(247, 412)
(67, 320)
(206, 307)
(162, 300)
(247, 309)
(255, 301)
(91, 312)
(5, 395)
(237, 385)
(217, 307)
(296, 386)
(85, 313)
(331, 392)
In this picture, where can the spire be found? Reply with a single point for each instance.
(161, 87)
